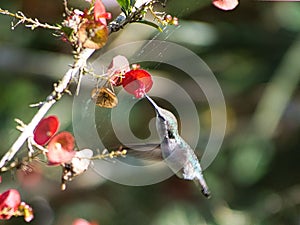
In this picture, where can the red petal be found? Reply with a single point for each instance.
(100, 13)
(137, 82)
(82, 222)
(10, 200)
(61, 148)
(225, 4)
(45, 130)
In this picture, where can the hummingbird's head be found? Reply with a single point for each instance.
(167, 122)
(167, 118)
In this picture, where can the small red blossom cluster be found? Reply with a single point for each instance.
(88, 30)
(11, 205)
(171, 20)
(137, 82)
(60, 147)
(134, 80)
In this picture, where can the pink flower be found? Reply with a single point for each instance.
(92, 30)
(225, 4)
(117, 68)
(61, 148)
(100, 13)
(80, 221)
(137, 82)
(9, 203)
(45, 130)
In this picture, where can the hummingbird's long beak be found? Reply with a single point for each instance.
(151, 101)
(156, 107)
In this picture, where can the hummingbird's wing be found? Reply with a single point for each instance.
(149, 151)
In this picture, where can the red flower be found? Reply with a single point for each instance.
(45, 130)
(61, 148)
(137, 82)
(80, 221)
(9, 203)
(92, 31)
(100, 13)
(225, 4)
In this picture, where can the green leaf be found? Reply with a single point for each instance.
(132, 2)
(125, 5)
(67, 30)
(150, 24)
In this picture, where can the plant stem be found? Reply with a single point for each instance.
(32, 23)
(62, 86)
(59, 90)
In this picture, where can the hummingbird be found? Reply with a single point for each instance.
(177, 153)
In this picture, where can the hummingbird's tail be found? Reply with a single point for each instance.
(201, 183)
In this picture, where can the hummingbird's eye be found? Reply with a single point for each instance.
(170, 135)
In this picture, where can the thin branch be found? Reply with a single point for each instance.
(31, 23)
(136, 15)
(110, 155)
(62, 86)
(59, 90)
(16, 164)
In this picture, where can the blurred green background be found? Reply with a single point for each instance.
(254, 51)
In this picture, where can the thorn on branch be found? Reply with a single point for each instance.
(21, 125)
(39, 104)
